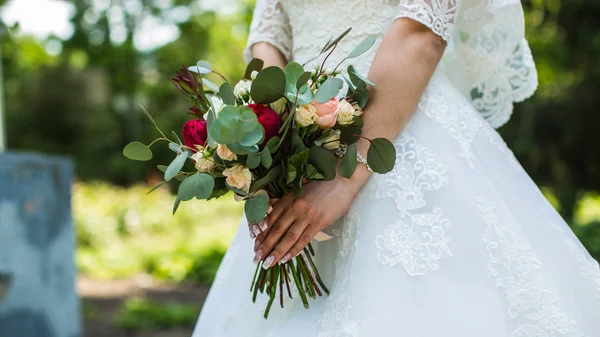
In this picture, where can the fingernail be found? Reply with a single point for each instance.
(285, 258)
(268, 262)
(256, 244)
(263, 225)
(252, 235)
(255, 230)
(258, 256)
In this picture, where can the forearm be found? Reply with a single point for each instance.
(269, 54)
(401, 70)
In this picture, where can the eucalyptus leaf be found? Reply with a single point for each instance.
(312, 173)
(302, 80)
(269, 85)
(162, 168)
(175, 166)
(291, 174)
(349, 162)
(336, 41)
(202, 67)
(354, 75)
(210, 85)
(265, 158)
(176, 137)
(254, 65)
(292, 71)
(363, 46)
(297, 143)
(174, 147)
(329, 89)
(256, 208)
(381, 155)
(253, 137)
(242, 150)
(350, 134)
(148, 115)
(273, 144)
(324, 161)
(159, 185)
(199, 185)
(253, 160)
(137, 151)
(226, 93)
(176, 205)
(269, 177)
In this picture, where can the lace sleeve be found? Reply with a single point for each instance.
(270, 24)
(488, 57)
(438, 15)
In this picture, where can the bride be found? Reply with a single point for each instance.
(457, 240)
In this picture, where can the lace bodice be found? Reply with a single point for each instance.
(487, 57)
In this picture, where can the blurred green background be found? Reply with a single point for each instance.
(75, 73)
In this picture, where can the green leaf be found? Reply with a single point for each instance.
(305, 96)
(176, 165)
(162, 168)
(226, 93)
(324, 161)
(312, 173)
(265, 158)
(199, 185)
(159, 185)
(302, 80)
(176, 205)
(254, 65)
(354, 76)
(137, 151)
(329, 89)
(381, 156)
(176, 137)
(253, 137)
(349, 133)
(299, 159)
(291, 173)
(174, 147)
(363, 46)
(297, 143)
(242, 150)
(270, 176)
(252, 161)
(273, 144)
(269, 85)
(336, 41)
(349, 162)
(201, 67)
(210, 85)
(148, 115)
(236, 124)
(256, 208)
(292, 72)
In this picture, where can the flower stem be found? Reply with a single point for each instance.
(310, 248)
(314, 268)
(281, 276)
(257, 285)
(273, 287)
(287, 280)
(255, 276)
(313, 285)
(299, 285)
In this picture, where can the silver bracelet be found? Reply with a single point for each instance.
(363, 160)
(341, 151)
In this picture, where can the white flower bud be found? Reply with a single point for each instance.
(253, 74)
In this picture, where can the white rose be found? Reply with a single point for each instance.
(306, 115)
(345, 113)
(238, 176)
(204, 162)
(313, 72)
(225, 153)
(217, 104)
(242, 87)
(332, 142)
(328, 71)
(357, 109)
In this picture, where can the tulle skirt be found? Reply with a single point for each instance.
(456, 241)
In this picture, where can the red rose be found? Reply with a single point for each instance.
(194, 133)
(268, 118)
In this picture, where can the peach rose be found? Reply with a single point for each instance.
(204, 162)
(345, 113)
(225, 153)
(239, 177)
(326, 113)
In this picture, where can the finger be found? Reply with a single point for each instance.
(303, 241)
(254, 230)
(288, 240)
(277, 230)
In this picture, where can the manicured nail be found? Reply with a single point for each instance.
(255, 230)
(258, 256)
(252, 235)
(268, 262)
(256, 244)
(263, 225)
(285, 258)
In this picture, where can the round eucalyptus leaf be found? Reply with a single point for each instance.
(175, 166)
(253, 160)
(199, 185)
(324, 160)
(137, 151)
(329, 89)
(254, 65)
(349, 162)
(292, 71)
(226, 93)
(381, 155)
(256, 208)
(269, 85)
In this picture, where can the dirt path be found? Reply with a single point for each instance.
(102, 300)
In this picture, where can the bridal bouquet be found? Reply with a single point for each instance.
(273, 131)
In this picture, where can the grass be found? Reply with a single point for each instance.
(142, 315)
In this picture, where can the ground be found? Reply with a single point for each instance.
(102, 301)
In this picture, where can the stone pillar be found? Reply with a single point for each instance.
(37, 271)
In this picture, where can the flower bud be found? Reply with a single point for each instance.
(253, 74)
(332, 142)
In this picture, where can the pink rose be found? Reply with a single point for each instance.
(327, 113)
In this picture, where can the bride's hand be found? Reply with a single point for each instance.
(294, 221)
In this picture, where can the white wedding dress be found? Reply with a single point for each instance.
(456, 241)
